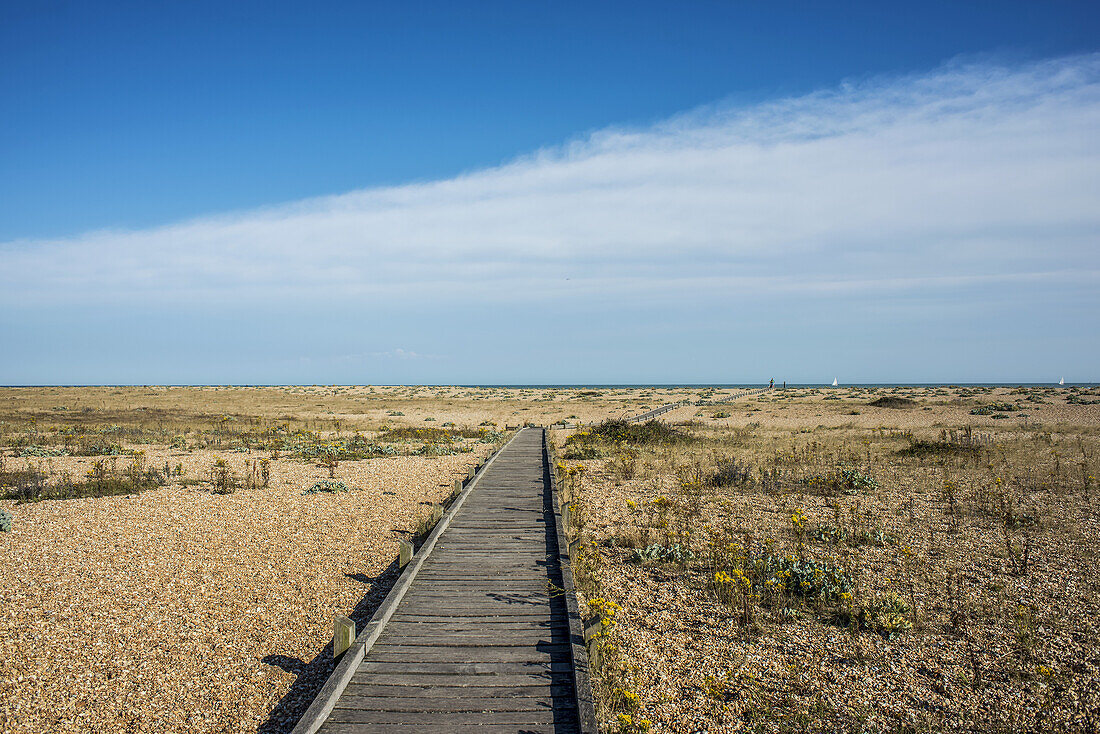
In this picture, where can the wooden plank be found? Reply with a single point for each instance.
(446, 691)
(484, 640)
(469, 653)
(401, 626)
(472, 584)
(469, 629)
(431, 718)
(314, 717)
(454, 704)
(487, 618)
(452, 728)
(408, 667)
(462, 680)
(463, 605)
(478, 576)
(480, 639)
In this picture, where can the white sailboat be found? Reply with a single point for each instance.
(1062, 381)
(834, 382)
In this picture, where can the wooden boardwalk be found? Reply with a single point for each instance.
(483, 638)
(651, 414)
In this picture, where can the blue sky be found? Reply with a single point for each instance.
(711, 192)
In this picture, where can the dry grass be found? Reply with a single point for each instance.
(958, 583)
(178, 608)
(204, 604)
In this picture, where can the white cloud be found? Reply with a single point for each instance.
(972, 174)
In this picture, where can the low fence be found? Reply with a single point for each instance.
(736, 396)
(649, 415)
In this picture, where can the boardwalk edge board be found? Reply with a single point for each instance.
(656, 412)
(341, 676)
(582, 681)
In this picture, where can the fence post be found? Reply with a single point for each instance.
(405, 554)
(343, 634)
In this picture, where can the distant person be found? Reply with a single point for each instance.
(771, 384)
(784, 384)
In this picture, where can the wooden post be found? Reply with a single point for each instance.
(592, 628)
(437, 513)
(458, 488)
(343, 634)
(405, 554)
(473, 471)
(594, 659)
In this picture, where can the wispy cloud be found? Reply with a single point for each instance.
(977, 173)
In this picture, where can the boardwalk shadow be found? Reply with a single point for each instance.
(312, 675)
(516, 598)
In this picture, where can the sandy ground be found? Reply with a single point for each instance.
(181, 610)
(685, 662)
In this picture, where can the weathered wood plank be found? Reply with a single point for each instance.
(480, 638)
(406, 667)
(432, 718)
(454, 704)
(462, 680)
(452, 728)
(512, 615)
(446, 691)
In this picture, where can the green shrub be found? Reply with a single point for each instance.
(5, 521)
(102, 480)
(674, 553)
(846, 480)
(889, 401)
(355, 448)
(430, 434)
(327, 485)
(581, 453)
(599, 440)
(920, 448)
(22, 485)
(730, 473)
(767, 574)
(43, 451)
(442, 449)
(836, 535)
(886, 615)
(222, 479)
(810, 579)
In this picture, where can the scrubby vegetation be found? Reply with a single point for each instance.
(891, 401)
(798, 566)
(616, 434)
(327, 485)
(104, 478)
(779, 579)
